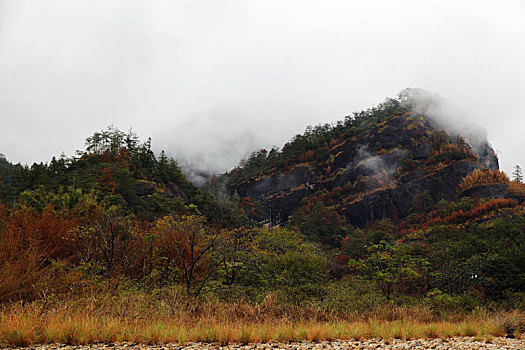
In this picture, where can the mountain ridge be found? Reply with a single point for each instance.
(376, 163)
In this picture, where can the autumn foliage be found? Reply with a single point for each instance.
(29, 243)
(516, 188)
(483, 177)
(478, 211)
(187, 245)
(119, 222)
(306, 157)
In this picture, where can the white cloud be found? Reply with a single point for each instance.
(214, 80)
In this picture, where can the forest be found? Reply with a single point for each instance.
(116, 237)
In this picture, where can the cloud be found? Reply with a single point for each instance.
(374, 163)
(212, 81)
(447, 116)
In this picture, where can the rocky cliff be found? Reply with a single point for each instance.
(381, 171)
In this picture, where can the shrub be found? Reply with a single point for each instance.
(29, 242)
(513, 323)
(483, 177)
(516, 188)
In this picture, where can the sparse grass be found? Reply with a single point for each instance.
(101, 320)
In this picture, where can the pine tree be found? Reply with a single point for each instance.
(517, 173)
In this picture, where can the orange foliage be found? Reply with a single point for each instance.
(477, 211)
(28, 243)
(187, 244)
(494, 204)
(106, 180)
(122, 158)
(516, 188)
(336, 191)
(306, 157)
(483, 177)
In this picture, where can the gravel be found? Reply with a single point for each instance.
(447, 343)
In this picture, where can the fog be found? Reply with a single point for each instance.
(212, 81)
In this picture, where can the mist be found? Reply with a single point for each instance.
(446, 116)
(212, 81)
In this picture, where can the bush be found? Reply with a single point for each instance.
(483, 177)
(442, 304)
(29, 242)
(513, 323)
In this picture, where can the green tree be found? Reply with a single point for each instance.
(517, 174)
(390, 266)
(269, 259)
(319, 223)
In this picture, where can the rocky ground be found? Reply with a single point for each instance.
(450, 343)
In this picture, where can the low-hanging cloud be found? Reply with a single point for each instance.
(386, 164)
(447, 116)
(212, 81)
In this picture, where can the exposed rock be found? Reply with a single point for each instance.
(398, 201)
(487, 191)
(143, 188)
(280, 207)
(173, 191)
(270, 185)
(372, 168)
(487, 157)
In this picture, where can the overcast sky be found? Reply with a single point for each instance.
(211, 81)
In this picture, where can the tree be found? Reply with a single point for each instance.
(457, 263)
(517, 173)
(281, 258)
(189, 245)
(110, 140)
(112, 235)
(390, 266)
(318, 223)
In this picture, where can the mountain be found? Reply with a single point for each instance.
(117, 170)
(413, 205)
(380, 163)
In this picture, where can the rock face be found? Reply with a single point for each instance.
(488, 191)
(145, 189)
(399, 201)
(279, 182)
(380, 173)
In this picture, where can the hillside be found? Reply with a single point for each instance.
(384, 216)
(373, 165)
(116, 169)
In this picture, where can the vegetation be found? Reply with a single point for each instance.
(139, 319)
(315, 143)
(517, 174)
(482, 178)
(116, 238)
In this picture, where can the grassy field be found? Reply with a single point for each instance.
(137, 318)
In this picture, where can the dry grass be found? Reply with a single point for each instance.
(513, 323)
(136, 320)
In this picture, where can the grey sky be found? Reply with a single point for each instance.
(211, 81)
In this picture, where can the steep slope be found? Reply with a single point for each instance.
(376, 164)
